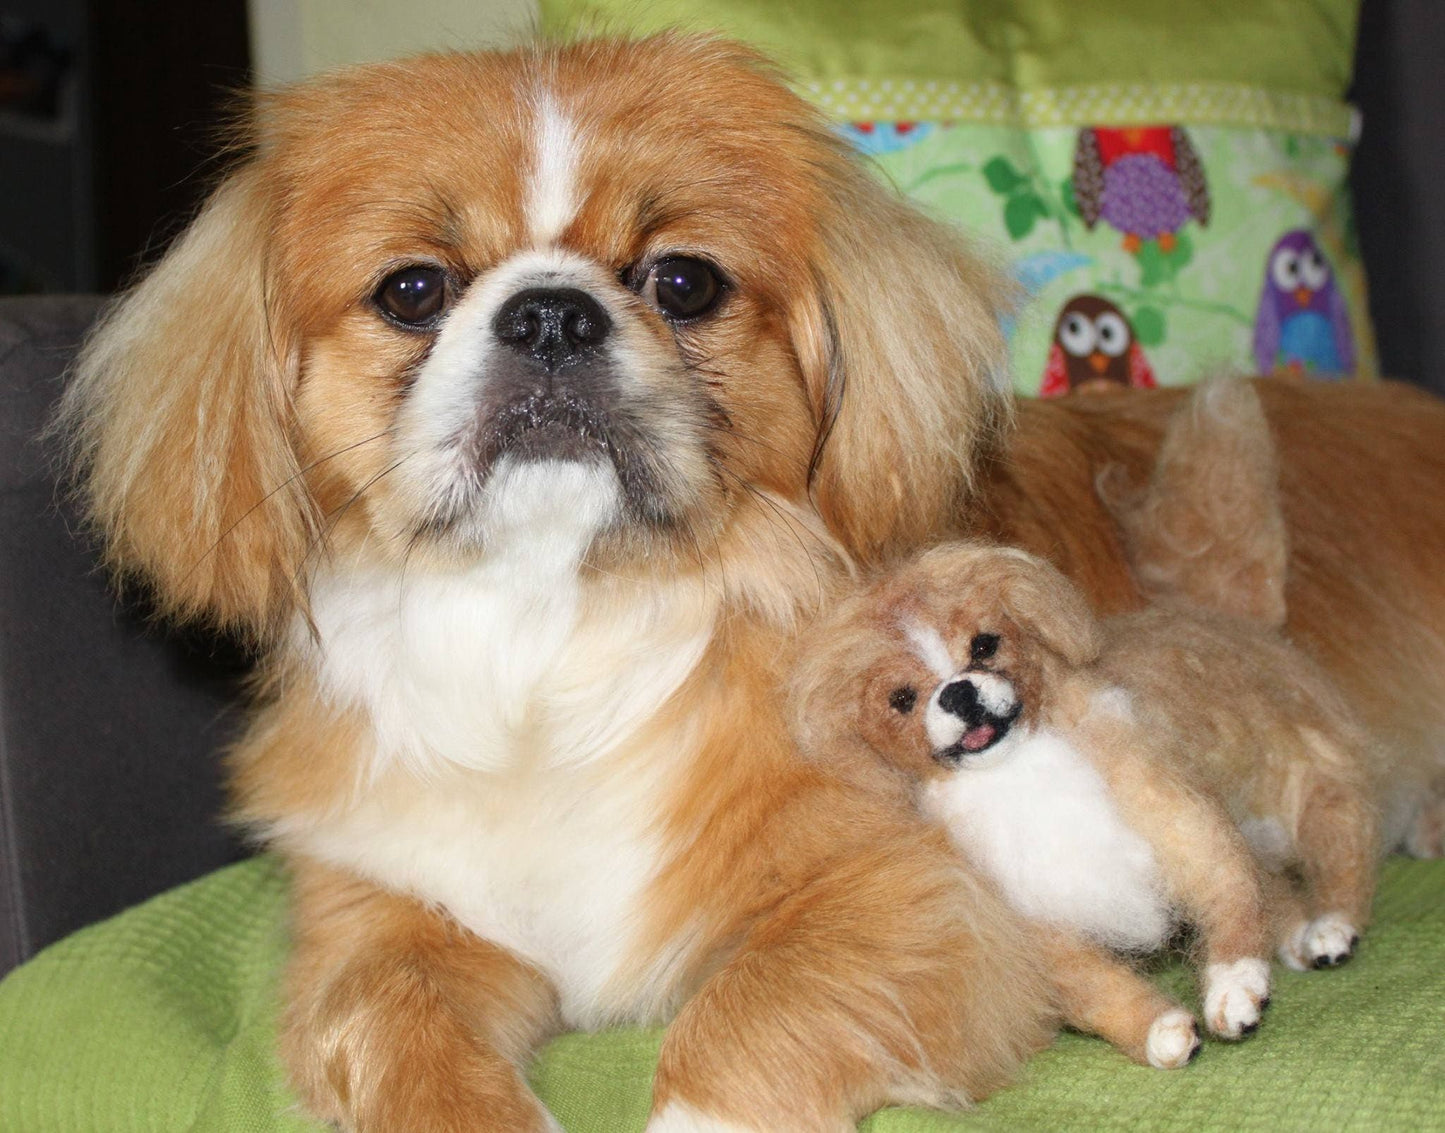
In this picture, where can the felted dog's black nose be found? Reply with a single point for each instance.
(554, 325)
(961, 699)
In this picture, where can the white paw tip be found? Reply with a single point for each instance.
(679, 1117)
(1173, 1040)
(1325, 942)
(1235, 996)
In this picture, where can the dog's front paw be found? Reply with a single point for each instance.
(1173, 1040)
(1235, 996)
(1325, 942)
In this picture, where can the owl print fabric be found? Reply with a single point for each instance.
(1155, 253)
(1175, 170)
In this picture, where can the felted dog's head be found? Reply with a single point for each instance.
(938, 664)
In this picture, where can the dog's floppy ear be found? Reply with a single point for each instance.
(177, 420)
(1034, 593)
(1042, 599)
(902, 350)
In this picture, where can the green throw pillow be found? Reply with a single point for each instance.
(1169, 180)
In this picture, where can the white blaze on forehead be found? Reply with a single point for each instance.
(552, 187)
(929, 646)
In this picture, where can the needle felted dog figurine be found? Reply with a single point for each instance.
(1083, 764)
(1208, 532)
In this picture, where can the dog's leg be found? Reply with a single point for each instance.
(1217, 882)
(1425, 837)
(1102, 996)
(1337, 845)
(888, 979)
(1213, 877)
(398, 1018)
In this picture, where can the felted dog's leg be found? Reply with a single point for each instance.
(1337, 844)
(1210, 872)
(398, 1018)
(1103, 996)
(1217, 882)
(893, 977)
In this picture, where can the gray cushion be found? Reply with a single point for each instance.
(108, 732)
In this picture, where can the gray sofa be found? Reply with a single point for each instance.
(111, 728)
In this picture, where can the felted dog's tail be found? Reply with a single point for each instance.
(1208, 527)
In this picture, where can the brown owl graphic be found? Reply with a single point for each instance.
(1094, 351)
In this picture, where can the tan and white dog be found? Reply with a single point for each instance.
(1095, 771)
(517, 407)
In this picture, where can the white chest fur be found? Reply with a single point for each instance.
(517, 765)
(1040, 819)
(503, 662)
(553, 866)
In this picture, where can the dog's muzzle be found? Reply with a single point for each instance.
(552, 394)
(970, 713)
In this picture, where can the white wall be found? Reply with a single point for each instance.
(294, 38)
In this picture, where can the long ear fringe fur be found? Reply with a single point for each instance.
(906, 367)
(175, 423)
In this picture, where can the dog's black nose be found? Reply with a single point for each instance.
(554, 325)
(960, 699)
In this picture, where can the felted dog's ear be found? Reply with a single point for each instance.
(177, 420)
(1040, 598)
(902, 349)
(1032, 592)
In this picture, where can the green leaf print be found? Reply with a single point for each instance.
(1066, 194)
(1149, 326)
(1020, 212)
(1157, 266)
(1001, 176)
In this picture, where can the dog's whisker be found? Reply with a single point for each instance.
(337, 515)
(300, 472)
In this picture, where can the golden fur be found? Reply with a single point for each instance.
(246, 425)
(236, 416)
(1197, 723)
(1359, 467)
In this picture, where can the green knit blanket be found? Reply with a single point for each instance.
(164, 1018)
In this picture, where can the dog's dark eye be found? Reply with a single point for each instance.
(983, 646)
(902, 699)
(682, 287)
(414, 296)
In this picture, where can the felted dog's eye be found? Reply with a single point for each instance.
(414, 296)
(983, 646)
(902, 699)
(682, 287)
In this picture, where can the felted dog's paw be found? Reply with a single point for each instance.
(1325, 942)
(1235, 996)
(1173, 1040)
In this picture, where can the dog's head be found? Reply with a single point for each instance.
(633, 298)
(936, 666)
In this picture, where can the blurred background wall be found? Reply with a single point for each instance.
(112, 111)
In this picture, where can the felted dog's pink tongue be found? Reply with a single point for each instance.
(976, 739)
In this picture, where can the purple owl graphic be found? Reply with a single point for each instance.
(1302, 324)
(1146, 181)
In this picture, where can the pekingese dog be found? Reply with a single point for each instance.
(1104, 773)
(518, 407)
